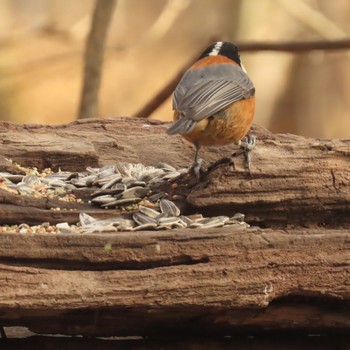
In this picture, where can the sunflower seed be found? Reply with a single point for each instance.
(120, 187)
(137, 183)
(163, 227)
(113, 180)
(111, 192)
(92, 171)
(121, 202)
(186, 220)
(238, 216)
(168, 220)
(54, 183)
(165, 167)
(31, 180)
(150, 175)
(238, 226)
(86, 219)
(13, 178)
(106, 171)
(195, 224)
(195, 217)
(171, 176)
(137, 191)
(123, 168)
(85, 181)
(98, 226)
(24, 189)
(62, 175)
(149, 212)
(63, 227)
(120, 221)
(69, 187)
(142, 219)
(144, 227)
(125, 227)
(155, 196)
(212, 222)
(178, 224)
(169, 208)
(128, 180)
(104, 199)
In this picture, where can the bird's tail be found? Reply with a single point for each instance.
(182, 126)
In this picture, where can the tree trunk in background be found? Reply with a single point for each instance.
(94, 58)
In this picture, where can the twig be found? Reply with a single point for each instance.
(296, 46)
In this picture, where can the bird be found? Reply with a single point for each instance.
(214, 102)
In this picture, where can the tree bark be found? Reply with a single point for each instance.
(293, 180)
(294, 275)
(149, 283)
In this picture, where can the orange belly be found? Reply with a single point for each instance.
(225, 127)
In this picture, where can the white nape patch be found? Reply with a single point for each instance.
(216, 49)
(243, 68)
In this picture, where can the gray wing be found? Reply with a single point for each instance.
(205, 91)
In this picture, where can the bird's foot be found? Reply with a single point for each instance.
(246, 145)
(196, 168)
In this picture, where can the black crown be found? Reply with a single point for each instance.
(227, 49)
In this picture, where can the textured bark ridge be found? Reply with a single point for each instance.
(292, 273)
(293, 180)
(150, 283)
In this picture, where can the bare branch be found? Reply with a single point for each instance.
(94, 58)
(296, 46)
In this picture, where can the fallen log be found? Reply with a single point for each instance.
(293, 180)
(221, 281)
(153, 283)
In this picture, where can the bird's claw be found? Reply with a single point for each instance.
(196, 167)
(246, 145)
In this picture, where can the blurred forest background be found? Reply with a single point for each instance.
(42, 46)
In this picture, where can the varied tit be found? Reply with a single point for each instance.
(214, 102)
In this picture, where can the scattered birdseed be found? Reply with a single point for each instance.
(169, 217)
(124, 185)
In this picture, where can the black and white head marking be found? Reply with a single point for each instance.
(223, 48)
(216, 49)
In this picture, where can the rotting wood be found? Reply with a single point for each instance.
(293, 180)
(15, 208)
(218, 281)
(95, 142)
(248, 280)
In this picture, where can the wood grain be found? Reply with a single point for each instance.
(249, 279)
(291, 274)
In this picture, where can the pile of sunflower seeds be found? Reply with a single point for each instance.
(117, 185)
(123, 185)
(169, 217)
